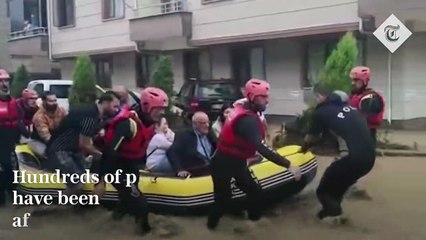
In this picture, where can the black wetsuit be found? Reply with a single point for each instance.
(344, 121)
(132, 201)
(224, 167)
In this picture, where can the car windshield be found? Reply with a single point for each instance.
(217, 90)
(61, 91)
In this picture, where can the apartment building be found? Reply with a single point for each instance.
(285, 42)
(24, 38)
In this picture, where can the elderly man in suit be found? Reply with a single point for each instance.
(193, 148)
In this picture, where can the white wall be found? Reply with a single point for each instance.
(123, 69)
(90, 33)
(408, 76)
(245, 17)
(283, 71)
(67, 68)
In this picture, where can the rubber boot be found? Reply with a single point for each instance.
(142, 224)
(212, 221)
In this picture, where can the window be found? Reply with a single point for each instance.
(185, 91)
(103, 72)
(27, 15)
(197, 65)
(39, 89)
(61, 91)
(317, 54)
(112, 9)
(145, 64)
(217, 90)
(169, 6)
(64, 13)
(247, 63)
(211, 1)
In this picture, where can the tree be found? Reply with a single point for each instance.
(162, 77)
(19, 82)
(83, 90)
(335, 75)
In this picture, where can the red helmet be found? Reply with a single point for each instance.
(361, 73)
(29, 93)
(152, 97)
(255, 87)
(4, 74)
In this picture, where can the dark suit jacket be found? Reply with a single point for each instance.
(183, 154)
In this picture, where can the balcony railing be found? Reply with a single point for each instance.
(39, 31)
(164, 7)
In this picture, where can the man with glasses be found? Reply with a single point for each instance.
(192, 149)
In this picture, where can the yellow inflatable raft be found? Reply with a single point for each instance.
(174, 194)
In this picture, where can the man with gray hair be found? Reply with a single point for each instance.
(192, 148)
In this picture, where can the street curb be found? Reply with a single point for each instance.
(399, 153)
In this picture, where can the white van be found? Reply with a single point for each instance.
(59, 87)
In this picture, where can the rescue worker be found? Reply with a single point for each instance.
(370, 103)
(10, 126)
(235, 146)
(126, 138)
(27, 108)
(331, 114)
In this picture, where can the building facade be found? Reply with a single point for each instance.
(24, 38)
(284, 42)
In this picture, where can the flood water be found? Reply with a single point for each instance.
(396, 211)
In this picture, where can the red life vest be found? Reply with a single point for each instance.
(373, 120)
(8, 114)
(229, 143)
(129, 148)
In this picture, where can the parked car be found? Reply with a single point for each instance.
(207, 96)
(61, 89)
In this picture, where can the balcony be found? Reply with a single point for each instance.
(410, 12)
(32, 42)
(163, 26)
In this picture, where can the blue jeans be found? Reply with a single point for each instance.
(163, 166)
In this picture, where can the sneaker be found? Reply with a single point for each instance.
(331, 219)
(335, 220)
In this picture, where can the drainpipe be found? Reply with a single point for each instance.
(390, 88)
(49, 27)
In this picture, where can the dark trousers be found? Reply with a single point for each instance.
(373, 132)
(132, 200)
(337, 179)
(6, 172)
(223, 169)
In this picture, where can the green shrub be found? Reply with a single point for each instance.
(83, 90)
(19, 82)
(162, 77)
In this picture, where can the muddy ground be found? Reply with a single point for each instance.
(396, 211)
